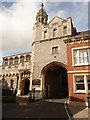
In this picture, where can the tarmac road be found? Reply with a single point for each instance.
(39, 109)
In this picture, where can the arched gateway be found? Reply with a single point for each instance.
(54, 77)
(25, 87)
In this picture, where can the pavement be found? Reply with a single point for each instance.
(78, 111)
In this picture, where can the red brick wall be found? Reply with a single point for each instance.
(69, 57)
(72, 95)
(75, 96)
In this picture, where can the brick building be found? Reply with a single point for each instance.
(78, 66)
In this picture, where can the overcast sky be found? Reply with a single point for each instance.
(18, 17)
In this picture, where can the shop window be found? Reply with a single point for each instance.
(82, 56)
(55, 50)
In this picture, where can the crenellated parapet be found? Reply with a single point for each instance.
(12, 64)
(15, 60)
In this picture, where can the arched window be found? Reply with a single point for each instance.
(54, 32)
(38, 19)
(10, 61)
(65, 30)
(28, 58)
(55, 50)
(6, 61)
(22, 59)
(45, 34)
(16, 60)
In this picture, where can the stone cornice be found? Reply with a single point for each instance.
(67, 39)
(73, 40)
(49, 39)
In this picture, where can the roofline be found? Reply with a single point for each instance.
(75, 36)
(16, 54)
(83, 31)
(53, 19)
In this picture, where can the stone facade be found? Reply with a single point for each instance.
(14, 66)
(48, 58)
(48, 47)
(46, 36)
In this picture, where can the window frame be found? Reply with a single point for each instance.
(53, 48)
(28, 58)
(79, 91)
(55, 32)
(78, 49)
(16, 61)
(6, 62)
(45, 34)
(21, 60)
(65, 30)
(85, 84)
(11, 61)
(36, 82)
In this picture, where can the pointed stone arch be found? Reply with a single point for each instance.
(54, 80)
(25, 86)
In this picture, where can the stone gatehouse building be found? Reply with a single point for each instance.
(45, 69)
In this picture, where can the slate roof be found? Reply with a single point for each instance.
(82, 34)
(78, 36)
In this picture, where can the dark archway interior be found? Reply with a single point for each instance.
(25, 87)
(56, 85)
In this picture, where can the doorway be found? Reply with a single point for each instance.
(25, 87)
